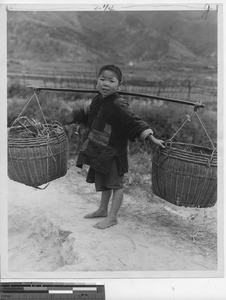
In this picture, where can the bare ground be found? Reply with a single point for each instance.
(48, 232)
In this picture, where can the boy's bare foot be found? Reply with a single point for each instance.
(106, 223)
(97, 214)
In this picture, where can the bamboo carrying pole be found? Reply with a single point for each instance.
(196, 105)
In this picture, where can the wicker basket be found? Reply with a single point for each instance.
(35, 160)
(185, 175)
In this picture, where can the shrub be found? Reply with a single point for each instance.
(166, 120)
(17, 90)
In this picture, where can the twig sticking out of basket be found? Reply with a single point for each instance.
(36, 128)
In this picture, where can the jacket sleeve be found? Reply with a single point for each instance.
(79, 115)
(128, 123)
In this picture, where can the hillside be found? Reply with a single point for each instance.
(120, 37)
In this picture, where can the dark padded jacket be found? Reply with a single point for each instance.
(111, 123)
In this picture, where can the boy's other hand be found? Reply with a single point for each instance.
(155, 141)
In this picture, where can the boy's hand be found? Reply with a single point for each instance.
(157, 142)
(68, 130)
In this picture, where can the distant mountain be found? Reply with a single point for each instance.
(118, 36)
(190, 28)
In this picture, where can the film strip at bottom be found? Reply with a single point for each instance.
(45, 290)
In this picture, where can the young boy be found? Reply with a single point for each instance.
(110, 124)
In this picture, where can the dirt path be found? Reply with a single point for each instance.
(47, 232)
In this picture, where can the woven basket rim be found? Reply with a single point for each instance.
(172, 145)
(209, 159)
(19, 127)
(38, 140)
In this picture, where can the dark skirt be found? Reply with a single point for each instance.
(109, 181)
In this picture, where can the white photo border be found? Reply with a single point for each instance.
(137, 282)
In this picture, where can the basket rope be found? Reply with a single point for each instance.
(170, 141)
(188, 120)
(39, 106)
(202, 124)
(20, 114)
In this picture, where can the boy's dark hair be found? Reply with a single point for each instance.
(112, 68)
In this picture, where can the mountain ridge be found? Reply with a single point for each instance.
(122, 37)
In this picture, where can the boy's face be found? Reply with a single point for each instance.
(107, 83)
